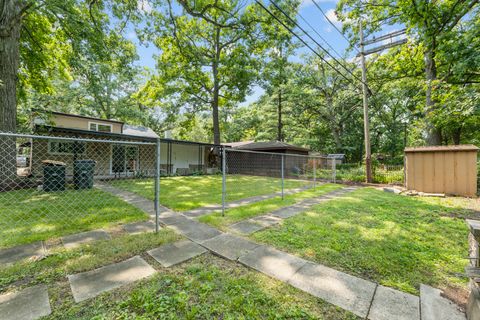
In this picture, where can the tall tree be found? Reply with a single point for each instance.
(433, 23)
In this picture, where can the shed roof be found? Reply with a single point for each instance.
(462, 147)
(264, 145)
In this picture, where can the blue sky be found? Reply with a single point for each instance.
(308, 11)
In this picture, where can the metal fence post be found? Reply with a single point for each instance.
(314, 173)
(334, 171)
(224, 179)
(157, 183)
(283, 173)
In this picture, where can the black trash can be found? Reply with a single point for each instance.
(83, 171)
(53, 175)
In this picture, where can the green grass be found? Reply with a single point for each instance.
(60, 262)
(244, 212)
(205, 288)
(185, 193)
(395, 240)
(30, 215)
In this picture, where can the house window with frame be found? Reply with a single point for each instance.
(66, 147)
(99, 127)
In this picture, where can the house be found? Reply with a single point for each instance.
(128, 151)
(256, 158)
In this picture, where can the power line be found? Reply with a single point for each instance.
(318, 44)
(318, 34)
(301, 39)
(333, 24)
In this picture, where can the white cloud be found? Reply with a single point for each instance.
(332, 16)
(144, 6)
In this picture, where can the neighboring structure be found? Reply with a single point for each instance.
(443, 169)
(255, 158)
(114, 160)
(338, 158)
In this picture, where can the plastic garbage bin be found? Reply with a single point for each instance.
(53, 175)
(83, 171)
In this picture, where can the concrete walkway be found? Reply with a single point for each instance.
(194, 213)
(361, 297)
(249, 226)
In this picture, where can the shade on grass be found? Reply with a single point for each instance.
(395, 240)
(185, 193)
(31, 215)
(205, 288)
(263, 207)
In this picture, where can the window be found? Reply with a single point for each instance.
(100, 127)
(66, 147)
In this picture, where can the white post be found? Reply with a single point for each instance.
(283, 174)
(157, 183)
(224, 179)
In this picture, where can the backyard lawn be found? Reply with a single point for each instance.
(185, 193)
(30, 215)
(206, 287)
(263, 207)
(395, 240)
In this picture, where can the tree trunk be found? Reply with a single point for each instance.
(280, 124)
(216, 89)
(457, 133)
(434, 135)
(10, 24)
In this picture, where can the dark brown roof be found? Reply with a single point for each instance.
(266, 145)
(462, 147)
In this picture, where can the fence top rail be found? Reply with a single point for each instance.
(278, 154)
(32, 136)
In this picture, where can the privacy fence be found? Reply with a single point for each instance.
(52, 186)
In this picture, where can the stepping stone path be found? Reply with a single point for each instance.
(15, 254)
(340, 289)
(76, 240)
(435, 307)
(361, 297)
(89, 284)
(229, 246)
(238, 203)
(255, 224)
(28, 304)
(390, 304)
(139, 227)
(272, 262)
(177, 252)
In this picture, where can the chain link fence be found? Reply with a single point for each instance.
(55, 185)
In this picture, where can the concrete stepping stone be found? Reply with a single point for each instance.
(139, 227)
(144, 205)
(194, 230)
(229, 246)
(266, 220)
(76, 240)
(390, 304)
(90, 284)
(28, 304)
(201, 211)
(246, 227)
(272, 262)
(435, 307)
(174, 253)
(288, 212)
(338, 288)
(15, 254)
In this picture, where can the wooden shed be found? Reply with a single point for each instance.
(442, 169)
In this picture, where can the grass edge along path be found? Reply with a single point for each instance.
(394, 240)
(234, 215)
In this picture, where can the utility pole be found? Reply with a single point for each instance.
(366, 122)
(363, 54)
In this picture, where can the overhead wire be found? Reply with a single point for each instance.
(316, 42)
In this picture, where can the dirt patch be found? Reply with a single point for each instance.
(457, 295)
